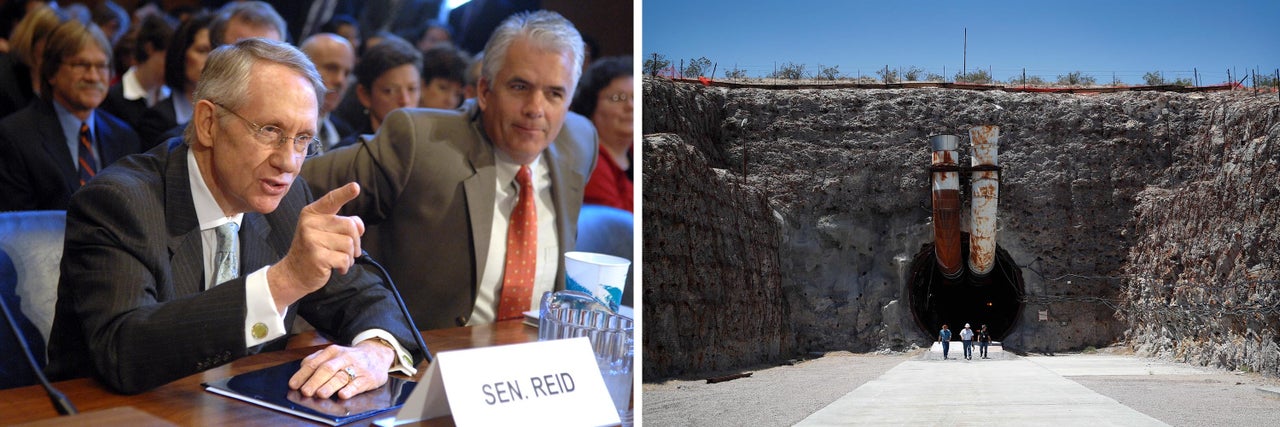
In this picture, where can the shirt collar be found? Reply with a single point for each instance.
(208, 213)
(70, 123)
(507, 167)
(133, 90)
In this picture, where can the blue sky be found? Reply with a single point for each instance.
(1099, 38)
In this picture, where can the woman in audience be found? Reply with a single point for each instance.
(183, 62)
(388, 76)
(20, 69)
(605, 96)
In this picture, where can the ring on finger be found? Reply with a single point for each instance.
(351, 373)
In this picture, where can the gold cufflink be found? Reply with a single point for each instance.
(259, 330)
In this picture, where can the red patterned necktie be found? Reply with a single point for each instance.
(522, 248)
(88, 163)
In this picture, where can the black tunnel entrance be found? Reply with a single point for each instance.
(993, 300)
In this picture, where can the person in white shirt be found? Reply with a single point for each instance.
(142, 86)
(966, 339)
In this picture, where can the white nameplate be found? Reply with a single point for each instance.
(539, 383)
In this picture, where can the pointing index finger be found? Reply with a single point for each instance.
(331, 202)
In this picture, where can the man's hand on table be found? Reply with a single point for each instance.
(330, 370)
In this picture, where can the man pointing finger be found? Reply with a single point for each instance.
(205, 249)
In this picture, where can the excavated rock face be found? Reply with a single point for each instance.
(835, 189)
(1205, 270)
(720, 246)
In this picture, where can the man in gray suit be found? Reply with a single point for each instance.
(440, 185)
(197, 253)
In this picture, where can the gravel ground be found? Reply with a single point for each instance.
(784, 395)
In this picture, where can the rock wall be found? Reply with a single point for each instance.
(718, 269)
(1205, 274)
(1085, 197)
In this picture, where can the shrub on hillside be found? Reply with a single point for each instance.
(655, 64)
(789, 71)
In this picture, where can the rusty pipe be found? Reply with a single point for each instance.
(984, 199)
(946, 205)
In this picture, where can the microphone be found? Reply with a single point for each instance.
(59, 400)
(391, 286)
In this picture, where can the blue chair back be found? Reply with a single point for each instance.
(30, 255)
(611, 231)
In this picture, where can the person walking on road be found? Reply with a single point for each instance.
(944, 336)
(966, 339)
(984, 339)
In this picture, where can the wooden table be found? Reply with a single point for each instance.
(185, 402)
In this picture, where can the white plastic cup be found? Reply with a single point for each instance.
(599, 275)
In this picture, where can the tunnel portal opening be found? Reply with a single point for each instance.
(994, 300)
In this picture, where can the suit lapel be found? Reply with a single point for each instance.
(184, 227)
(480, 190)
(566, 184)
(107, 153)
(55, 143)
(255, 251)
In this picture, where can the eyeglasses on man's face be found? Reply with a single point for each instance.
(272, 136)
(86, 66)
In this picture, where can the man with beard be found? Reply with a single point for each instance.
(55, 145)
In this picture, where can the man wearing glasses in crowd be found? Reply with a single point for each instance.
(204, 250)
(55, 145)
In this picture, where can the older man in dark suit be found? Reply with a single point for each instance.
(49, 149)
(202, 251)
(461, 198)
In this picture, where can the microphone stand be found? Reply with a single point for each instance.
(391, 286)
(59, 400)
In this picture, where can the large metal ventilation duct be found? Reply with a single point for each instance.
(985, 181)
(946, 204)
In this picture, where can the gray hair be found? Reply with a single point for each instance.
(254, 13)
(546, 29)
(225, 78)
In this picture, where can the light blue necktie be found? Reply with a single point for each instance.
(226, 263)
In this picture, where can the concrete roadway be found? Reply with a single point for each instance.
(1003, 390)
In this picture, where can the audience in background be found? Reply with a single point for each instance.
(428, 35)
(444, 71)
(112, 19)
(183, 63)
(56, 144)
(349, 109)
(334, 58)
(142, 86)
(474, 21)
(606, 96)
(397, 16)
(345, 26)
(388, 77)
(20, 69)
(245, 19)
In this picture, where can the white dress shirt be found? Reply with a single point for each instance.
(490, 291)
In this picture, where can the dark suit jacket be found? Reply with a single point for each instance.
(129, 111)
(131, 309)
(156, 122)
(36, 171)
(427, 186)
(15, 85)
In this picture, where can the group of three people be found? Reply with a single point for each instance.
(966, 338)
(205, 249)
